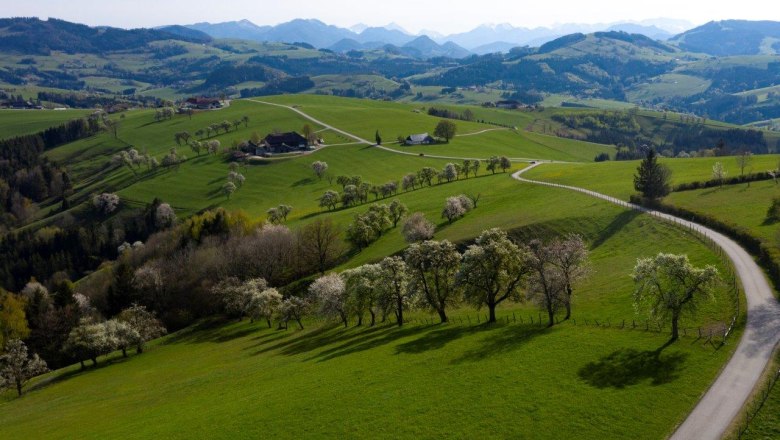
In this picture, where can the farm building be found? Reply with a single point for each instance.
(512, 104)
(282, 143)
(419, 139)
(203, 103)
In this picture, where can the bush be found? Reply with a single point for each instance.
(601, 157)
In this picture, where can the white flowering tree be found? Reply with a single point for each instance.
(293, 308)
(319, 168)
(417, 228)
(17, 366)
(361, 284)
(265, 303)
(669, 286)
(88, 340)
(394, 287)
(144, 322)
(164, 216)
(453, 209)
(121, 335)
(105, 203)
(331, 296)
(433, 266)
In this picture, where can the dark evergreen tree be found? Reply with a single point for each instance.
(652, 178)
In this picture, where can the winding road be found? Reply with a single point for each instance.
(721, 404)
(723, 401)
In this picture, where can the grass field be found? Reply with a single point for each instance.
(668, 86)
(197, 182)
(512, 380)
(363, 118)
(616, 178)
(507, 380)
(19, 122)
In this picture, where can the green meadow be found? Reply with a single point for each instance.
(514, 379)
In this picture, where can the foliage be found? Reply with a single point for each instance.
(433, 266)
(668, 286)
(417, 228)
(493, 270)
(13, 321)
(17, 367)
(144, 322)
(331, 295)
(319, 168)
(105, 203)
(652, 178)
(445, 129)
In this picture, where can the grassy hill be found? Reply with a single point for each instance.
(243, 380)
(21, 122)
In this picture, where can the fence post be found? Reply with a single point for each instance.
(514, 318)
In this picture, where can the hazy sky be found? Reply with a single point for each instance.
(445, 16)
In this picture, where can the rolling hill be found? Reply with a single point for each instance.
(732, 37)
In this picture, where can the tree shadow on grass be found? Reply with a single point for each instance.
(627, 366)
(501, 340)
(618, 223)
(435, 339)
(308, 341)
(212, 330)
(103, 362)
(304, 181)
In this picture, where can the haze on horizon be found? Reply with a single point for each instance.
(445, 17)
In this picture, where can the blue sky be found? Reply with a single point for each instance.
(446, 17)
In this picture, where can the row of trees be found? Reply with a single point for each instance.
(434, 275)
(215, 128)
(356, 191)
(367, 227)
(132, 327)
(235, 180)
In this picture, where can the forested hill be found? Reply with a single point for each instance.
(732, 37)
(34, 36)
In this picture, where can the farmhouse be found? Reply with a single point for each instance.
(419, 139)
(202, 103)
(512, 104)
(281, 143)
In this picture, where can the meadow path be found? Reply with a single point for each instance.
(721, 404)
(381, 147)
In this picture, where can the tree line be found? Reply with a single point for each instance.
(27, 177)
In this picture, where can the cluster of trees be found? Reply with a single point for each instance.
(215, 128)
(132, 327)
(434, 275)
(235, 180)
(467, 114)
(27, 177)
(174, 272)
(685, 138)
(108, 102)
(355, 191)
(456, 207)
(165, 113)
(279, 214)
(255, 299)
(135, 160)
(367, 227)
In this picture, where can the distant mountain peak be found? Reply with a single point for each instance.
(393, 26)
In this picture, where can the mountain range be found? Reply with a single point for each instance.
(483, 39)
